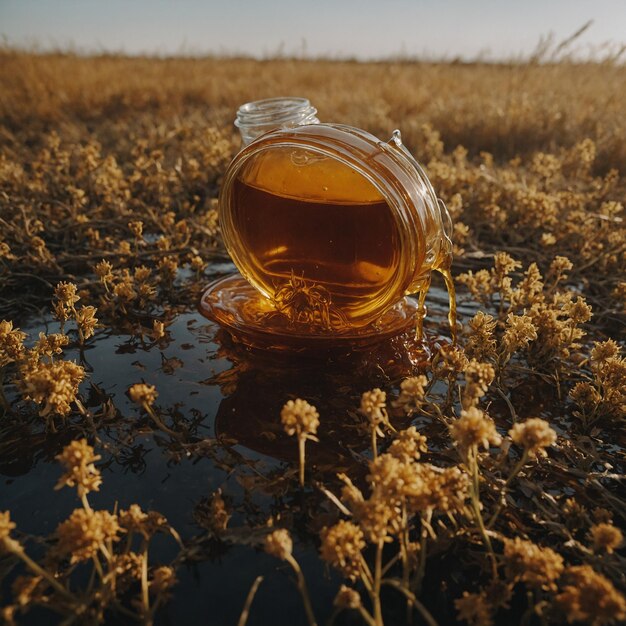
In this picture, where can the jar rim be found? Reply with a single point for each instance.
(273, 111)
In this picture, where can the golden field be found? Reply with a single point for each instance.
(482, 486)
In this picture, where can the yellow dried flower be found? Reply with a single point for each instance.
(374, 408)
(279, 544)
(53, 385)
(535, 565)
(475, 609)
(534, 435)
(84, 532)
(474, 428)
(143, 394)
(66, 294)
(78, 459)
(454, 360)
(299, 417)
(347, 598)
(602, 351)
(11, 343)
(412, 393)
(559, 267)
(86, 320)
(408, 445)
(481, 344)
(158, 330)
(146, 524)
(341, 547)
(606, 537)
(136, 227)
(104, 271)
(163, 579)
(6, 525)
(519, 331)
(579, 311)
(49, 345)
(25, 590)
(590, 598)
(198, 263)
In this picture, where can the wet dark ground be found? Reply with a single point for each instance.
(228, 402)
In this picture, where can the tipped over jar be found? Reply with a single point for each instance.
(332, 225)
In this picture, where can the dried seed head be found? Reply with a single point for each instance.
(534, 435)
(279, 544)
(143, 394)
(474, 428)
(299, 418)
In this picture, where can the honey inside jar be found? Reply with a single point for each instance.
(319, 238)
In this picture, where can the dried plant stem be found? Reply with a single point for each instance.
(306, 600)
(245, 612)
(374, 446)
(472, 456)
(15, 548)
(301, 445)
(378, 568)
(145, 596)
(421, 568)
(516, 470)
(149, 410)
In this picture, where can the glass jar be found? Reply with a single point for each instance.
(329, 225)
(256, 118)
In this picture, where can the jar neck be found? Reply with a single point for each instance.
(259, 117)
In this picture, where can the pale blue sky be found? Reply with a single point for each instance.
(494, 29)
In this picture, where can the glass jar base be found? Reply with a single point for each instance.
(252, 319)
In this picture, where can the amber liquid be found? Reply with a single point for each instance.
(332, 260)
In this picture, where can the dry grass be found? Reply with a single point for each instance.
(109, 170)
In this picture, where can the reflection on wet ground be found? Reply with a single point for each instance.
(227, 401)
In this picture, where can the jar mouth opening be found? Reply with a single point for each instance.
(273, 111)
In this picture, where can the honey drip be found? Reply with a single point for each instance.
(447, 276)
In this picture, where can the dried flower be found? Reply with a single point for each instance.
(519, 331)
(146, 524)
(590, 598)
(347, 598)
(475, 609)
(6, 525)
(86, 320)
(143, 394)
(606, 537)
(49, 345)
(374, 408)
(279, 544)
(474, 428)
(412, 394)
(299, 417)
(85, 532)
(65, 293)
(535, 565)
(158, 330)
(163, 579)
(11, 343)
(534, 435)
(136, 227)
(408, 445)
(78, 459)
(53, 385)
(341, 547)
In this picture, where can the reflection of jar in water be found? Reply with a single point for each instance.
(329, 223)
